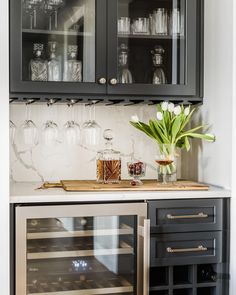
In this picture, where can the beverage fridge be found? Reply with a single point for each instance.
(82, 249)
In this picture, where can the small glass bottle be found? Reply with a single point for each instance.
(108, 161)
(72, 67)
(54, 65)
(159, 76)
(124, 75)
(38, 66)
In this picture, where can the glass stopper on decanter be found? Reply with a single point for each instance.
(38, 66)
(108, 161)
(54, 65)
(159, 76)
(73, 67)
(124, 74)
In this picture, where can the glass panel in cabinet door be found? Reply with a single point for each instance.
(58, 40)
(82, 255)
(151, 42)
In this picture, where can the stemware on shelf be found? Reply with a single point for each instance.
(51, 7)
(91, 130)
(165, 158)
(50, 131)
(12, 131)
(31, 7)
(71, 130)
(28, 132)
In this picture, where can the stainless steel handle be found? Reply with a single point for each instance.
(200, 248)
(113, 81)
(199, 215)
(102, 81)
(145, 233)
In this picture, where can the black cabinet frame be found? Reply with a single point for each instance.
(106, 64)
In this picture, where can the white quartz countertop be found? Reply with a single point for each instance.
(27, 192)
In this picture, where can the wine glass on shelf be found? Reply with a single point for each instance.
(12, 128)
(28, 132)
(165, 158)
(91, 130)
(31, 7)
(71, 128)
(50, 132)
(51, 7)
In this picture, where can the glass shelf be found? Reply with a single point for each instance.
(64, 33)
(152, 37)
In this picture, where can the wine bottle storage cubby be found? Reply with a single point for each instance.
(202, 279)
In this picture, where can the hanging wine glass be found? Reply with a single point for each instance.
(28, 132)
(50, 130)
(31, 7)
(72, 128)
(12, 132)
(91, 132)
(51, 7)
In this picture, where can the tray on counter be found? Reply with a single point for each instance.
(124, 185)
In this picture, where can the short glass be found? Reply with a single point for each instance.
(165, 159)
(136, 170)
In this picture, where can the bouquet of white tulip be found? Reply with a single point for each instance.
(171, 126)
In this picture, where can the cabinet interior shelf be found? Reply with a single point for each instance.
(60, 33)
(80, 253)
(80, 233)
(155, 37)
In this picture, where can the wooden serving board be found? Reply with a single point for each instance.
(148, 185)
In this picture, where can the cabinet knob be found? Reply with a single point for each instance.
(102, 81)
(113, 81)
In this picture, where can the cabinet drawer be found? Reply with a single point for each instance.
(186, 248)
(185, 215)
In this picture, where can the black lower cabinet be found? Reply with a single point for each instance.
(190, 263)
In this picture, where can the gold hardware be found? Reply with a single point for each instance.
(200, 248)
(199, 215)
(113, 81)
(102, 81)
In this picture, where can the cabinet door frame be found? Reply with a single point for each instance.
(192, 88)
(19, 86)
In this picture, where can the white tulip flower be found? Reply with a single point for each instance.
(159, 116)
(187, 111)
(177, 110)
(171, 107)
(164, 106)
(134, 119)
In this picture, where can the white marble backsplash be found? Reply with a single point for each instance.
(61, 161)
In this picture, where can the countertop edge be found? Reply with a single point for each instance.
(25, 194)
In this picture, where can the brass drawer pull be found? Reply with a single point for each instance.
(198, 249)
(199, 215)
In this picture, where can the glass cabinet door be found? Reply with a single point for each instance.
(76, 252)
(153, 47)
(58, 45)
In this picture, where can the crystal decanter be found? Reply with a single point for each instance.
(72, 67)
(159, 76)
(38, 66)
(108, 161)
(54, 65)
(124, 75)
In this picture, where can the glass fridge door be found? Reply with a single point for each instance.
(154, 43)
(76, 251)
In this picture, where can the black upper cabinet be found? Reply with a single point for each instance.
(107, 48)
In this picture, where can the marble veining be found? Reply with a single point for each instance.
(43, 163)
